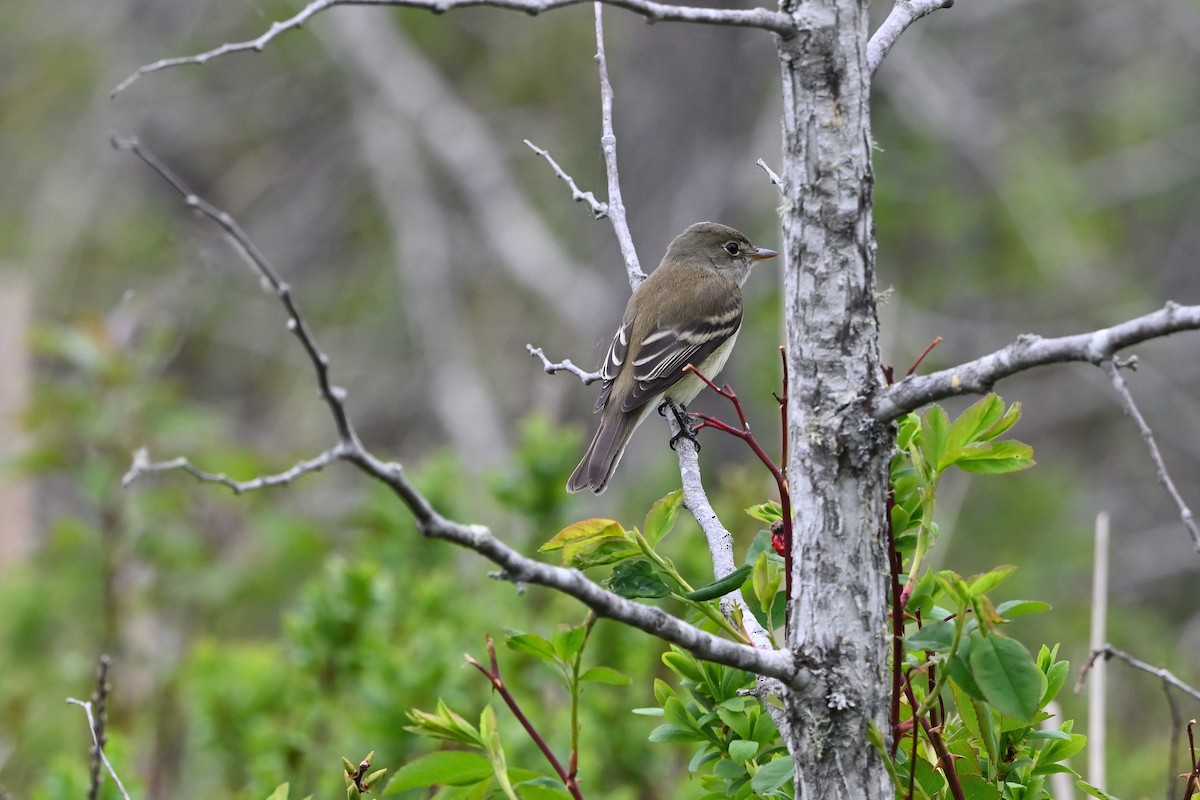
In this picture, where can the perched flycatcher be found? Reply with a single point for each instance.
(687, 312)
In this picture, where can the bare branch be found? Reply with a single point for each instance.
(1030, 351)
(608, 143)
(1160, 468)
(87, 709)
(600, 210)
(775, 179)
(516, 567)
(142, 464)
(1108, 651)
(720, 540)
(334, 396)
(565, 365)
(904, 13)
(774, 21)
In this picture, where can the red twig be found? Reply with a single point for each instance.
(937, 340)
(945, 759)
(785, 502)
(1193, 781)
(493, 675)
(897, 623)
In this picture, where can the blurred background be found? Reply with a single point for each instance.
(1037, 170)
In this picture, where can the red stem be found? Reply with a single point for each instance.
(1193, 780)
(897, 623)
(785, 501)
(493, 676)
(946, 761)
(937, 340)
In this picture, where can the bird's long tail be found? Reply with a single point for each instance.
(603, 454)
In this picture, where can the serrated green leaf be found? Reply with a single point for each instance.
(633, 579)
(443, 768)
(582, 531)
(935, 425)
(606, 675)
(1007, 676)
(766, 512)
(772, 775)
(993, 458)
(982, 414)
(661, 518)
(1003, 424)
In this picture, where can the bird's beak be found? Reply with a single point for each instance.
(762, 253)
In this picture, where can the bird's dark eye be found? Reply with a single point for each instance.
(731, 248)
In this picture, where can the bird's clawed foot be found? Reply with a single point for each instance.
(683, 419)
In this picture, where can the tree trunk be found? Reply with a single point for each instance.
(838, 456)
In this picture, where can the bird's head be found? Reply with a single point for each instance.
(728, 250)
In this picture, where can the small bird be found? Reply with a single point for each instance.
(687, 312)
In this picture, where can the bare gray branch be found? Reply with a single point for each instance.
(904, 13)
(1028, 351)
(600, 210)
(774, 21)
(565, 365)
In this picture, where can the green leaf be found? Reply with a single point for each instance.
(767, 579)
(530, 644)
(937, 637)
(1007, 676)
(934, 428)
(606, 675)
(443, 768)
(742, 751)
(772, 775)
(1016, 608)
(982, 584)
(672, 734)
(976, 788)
(1093, 791)
(632, 579)
(582, 539)
(683, 665)
(993, 458)
(661, 518)
(1056, 676)
(280, 793)
(984, 413)
(1004, 423)
(766, 512)
(568, 641)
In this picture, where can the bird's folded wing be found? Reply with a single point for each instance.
(667, 349)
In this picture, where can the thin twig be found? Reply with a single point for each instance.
(493, 675)
(904, 13)
(515, 567)
(600, 210)
(936, 341)
(1164, 675)
(100, 704)
(1193, 780)
(87, 709)
(775, 179)
(608, 144)
(142, 464)
(1160, 468)
(565, 365)
(777, 22)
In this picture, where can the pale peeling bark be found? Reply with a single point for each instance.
(838, 453)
